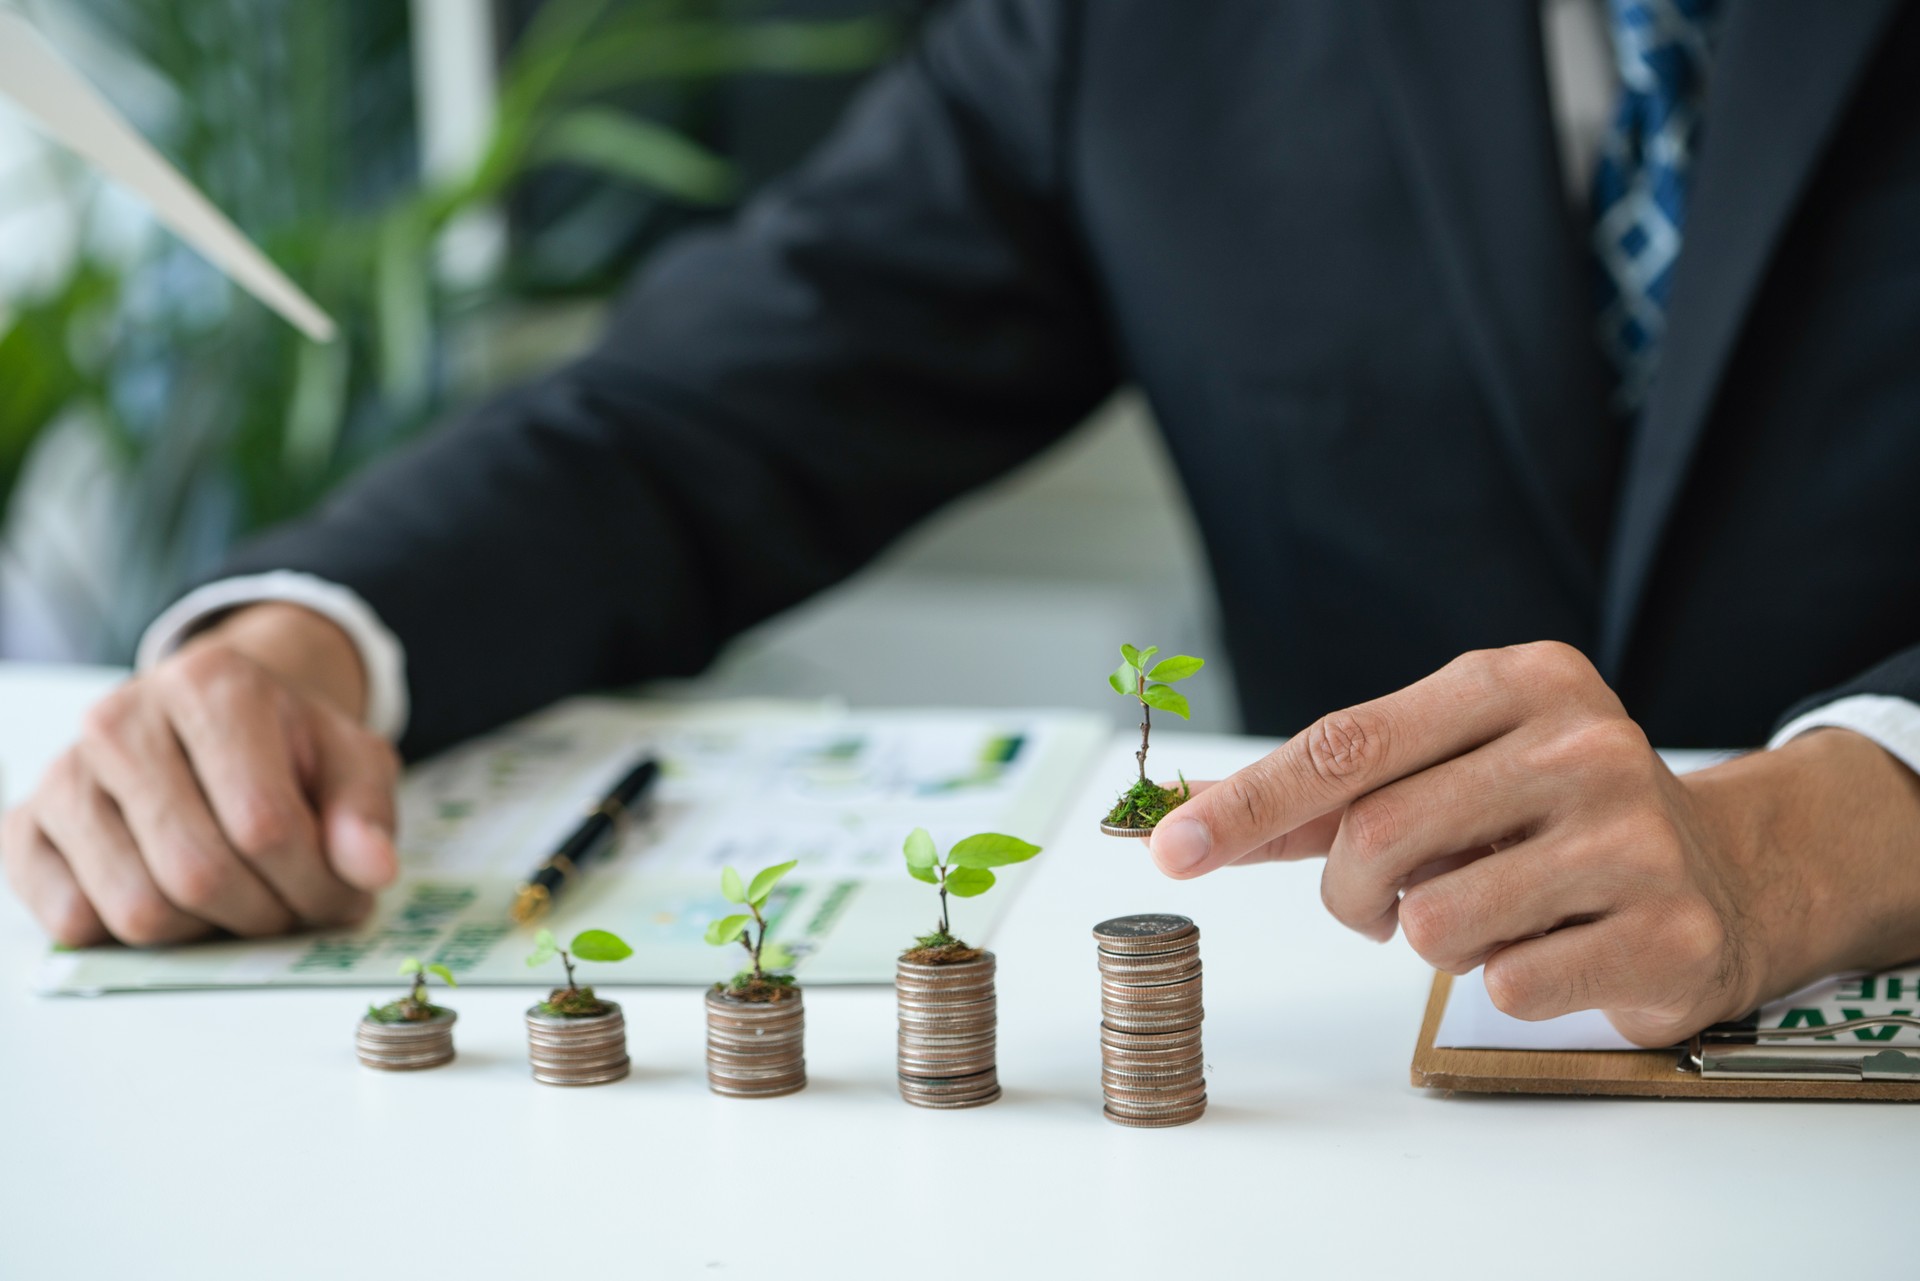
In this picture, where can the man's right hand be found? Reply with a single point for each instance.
(231, 787)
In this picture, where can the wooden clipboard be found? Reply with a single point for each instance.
(1658, 1074)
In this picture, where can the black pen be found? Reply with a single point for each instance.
(593, 838)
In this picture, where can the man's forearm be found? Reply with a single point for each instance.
(1830, 827)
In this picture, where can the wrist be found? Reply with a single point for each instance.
(303, 647)
(1819, 843)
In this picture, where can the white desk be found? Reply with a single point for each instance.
(127, 1150)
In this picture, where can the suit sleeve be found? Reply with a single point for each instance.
(1882, 703)
(903, 319)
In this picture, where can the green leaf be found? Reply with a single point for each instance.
(599, 945)
(410, 966)
(1146, 655)
(922, 856)
(731, 888)
(969, 881)
(726, 929)
(1122, 679)
(1177, 668)
(990, 849)
(766, 879)
(775, 956)
(444, 974)
(1167, 699)
(1132, 656)
(544, 947)
(639, 151)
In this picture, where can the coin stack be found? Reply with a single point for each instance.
(947, 1032)
(1151, 1066)
(756, 1049)
(406, 1046)
(578, 1049)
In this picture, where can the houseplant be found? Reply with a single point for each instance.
(944, 988)
(1150, 684)
(410, 1032)
(575, 1037)
(756, 1021)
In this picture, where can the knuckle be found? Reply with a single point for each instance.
(1511, 988)
(107, 720)
(192, 879)
(1550, 664)
(261, 824)
(1246, 795)
(1373, 826)
(205, 669)
(1345, 745)
(70, 919)
(1428, 922)
(141, 919)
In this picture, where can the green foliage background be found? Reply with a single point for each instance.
(296, 117)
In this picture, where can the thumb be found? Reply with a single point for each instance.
(355, 778)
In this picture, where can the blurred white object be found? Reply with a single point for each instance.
(39, 81)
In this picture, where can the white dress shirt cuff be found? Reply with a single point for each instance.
(1893, 723)
(381, 654)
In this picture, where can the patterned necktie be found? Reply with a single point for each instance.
(1662, 49)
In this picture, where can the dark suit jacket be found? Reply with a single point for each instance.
(1329, 240)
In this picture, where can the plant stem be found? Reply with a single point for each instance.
(943, 901)
(419, 994)
(568, 962)
(1146, 726)
(759, 940)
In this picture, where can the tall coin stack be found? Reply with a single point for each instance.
(588, 1049)
(756, 1049)
(406, 1046)
(1152, 1069)
(947, 1033)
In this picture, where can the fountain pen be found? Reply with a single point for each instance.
(589, 841)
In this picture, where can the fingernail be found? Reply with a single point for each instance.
(1182, 845)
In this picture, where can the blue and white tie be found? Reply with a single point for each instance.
(1662, 48)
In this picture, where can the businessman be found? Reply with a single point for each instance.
(1545, 375)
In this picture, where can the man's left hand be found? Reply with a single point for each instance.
(1506, 812)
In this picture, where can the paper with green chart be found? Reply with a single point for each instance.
(742, 785)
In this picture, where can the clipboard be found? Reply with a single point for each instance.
(1729, 1062)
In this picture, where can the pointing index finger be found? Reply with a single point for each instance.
(1335, 761)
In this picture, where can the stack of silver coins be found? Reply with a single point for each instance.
(1152, 1069)
(406, 1046)
(947, 1033)
(756, 1049)
(578, 1049)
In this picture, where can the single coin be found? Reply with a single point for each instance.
(1123, 930)
(955, 1105)
(1180, 1117)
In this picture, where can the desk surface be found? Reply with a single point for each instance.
(233, 1135)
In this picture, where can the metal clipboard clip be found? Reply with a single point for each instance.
(1736, 1054)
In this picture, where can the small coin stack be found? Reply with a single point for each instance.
(577, 1050)
(947, 1033)
(1152, 1069)
(406, 1047)
(756, 1049)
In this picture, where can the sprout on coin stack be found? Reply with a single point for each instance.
(574, 1037)
(756, 1022)
(412, 1032)
(1150, 684)
(948, 1007)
